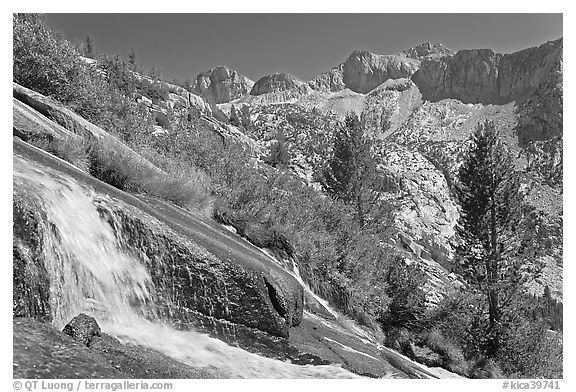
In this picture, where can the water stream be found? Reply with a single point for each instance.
(90, 273)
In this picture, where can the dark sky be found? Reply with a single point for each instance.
(183, 45)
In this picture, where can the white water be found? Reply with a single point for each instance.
(89, 273)
(291, 267)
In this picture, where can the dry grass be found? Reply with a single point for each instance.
(74, 150)
(181, 183)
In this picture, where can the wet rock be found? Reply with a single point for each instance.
(30, 284)
(41, 351)
(82, 328)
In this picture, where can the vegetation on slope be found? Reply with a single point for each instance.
(340, 249)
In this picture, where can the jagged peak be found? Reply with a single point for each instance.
(428, 49)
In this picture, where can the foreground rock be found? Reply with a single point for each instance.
(201, 275)
(41, 351)
(83, 329)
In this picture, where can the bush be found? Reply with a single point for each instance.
(183, 184)
(450, 354)
(73, 150)
(527, 349)
(408, 306)
(43, 61)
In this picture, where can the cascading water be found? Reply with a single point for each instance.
(90, 273)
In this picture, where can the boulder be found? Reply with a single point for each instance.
(82, 328)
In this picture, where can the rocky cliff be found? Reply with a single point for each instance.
(428, 49)
(221, 85)
(484, 76)
(363, 71)
(276, 83)
(329, 81)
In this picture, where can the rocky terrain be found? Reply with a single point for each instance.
(221, 85)
(194, 295)
(422, 104)
(188, 263)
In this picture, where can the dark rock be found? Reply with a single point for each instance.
(30, 284)
(82, 328)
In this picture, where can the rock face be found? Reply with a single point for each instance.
(484, 76)
(203, 285)
(276, 83)
(363, 71)
(540, 115)
(428, 49)
(330, 81)
(221, 85)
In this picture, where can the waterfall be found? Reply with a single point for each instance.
(89, 272)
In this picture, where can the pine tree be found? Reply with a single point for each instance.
(132, 60)
(350, 173)
(89, 47)
(489, 194)
(279, 156)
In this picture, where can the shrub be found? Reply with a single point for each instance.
(73, 150)
(408, 306)
(182, 184)
(484, 368)
(43, 61)
(451, 355)
(527, 349)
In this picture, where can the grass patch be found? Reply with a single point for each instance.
(181, 183)
(74, 150)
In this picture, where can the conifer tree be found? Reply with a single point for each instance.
(279, 156)
(490, 198)
(132, 60)
(89, 47)
(350, 173)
